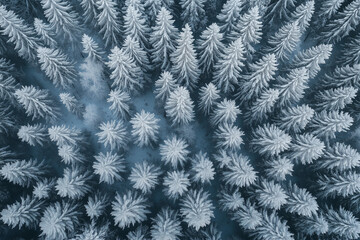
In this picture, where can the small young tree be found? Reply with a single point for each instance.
(72, 104)
(63, 20)
(305, 148)
(33, 134)
(335, 99)
(43, 188)
(71, 154)
(202, 168)
(164, 86)
(23, 172)
(185, 64)
(209, 96)
(311, 58)
(193, 13)
(229, 15)
(57, 67)
(292, 87)
(247, 216)
(343, 23)
(108, 21)
(92, 49)
(73, 184)
(270, 195)
(96, 205)
(303, 14)
(262, 106)
(120, 103)
(174, 151)
(145, 128)
(225, 112)
(197, 209)
(230, 200)
(59, 220)
(300, 201)
(128, 209)
(176, 183)
(326, 124)
(239, 172)
(19, 33)
(144, 176)
(166, 225)
(113, 134)
(45, 33)
(339, 184)
(294, 119)
(109, 166)
(179, 106)
(229, 137)
(285, 40)
(346, 76)
(162, 39)
(210, 47)
(25, 212)
(125, 73)
(278, 168)
(90, 11)
(63, 135)
(270, 140)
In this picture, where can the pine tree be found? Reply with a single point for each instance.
(120, 103)
(261, 73)
(228, 68)
(303, 14)
(312, 57)
(343, 23)
(343, 223)
(279, 9)
(73, 184)
(43, 188)
(19, 33)
(185, 64)
(162, 39)
(346, 76)
(285, 40)
(36, 103)
(164, 86)
(270, 140)
(239, 171)
(306, 148)
(229, 137)
(263, 105)
(96, 205)
(193, 13)
(351, 51)
(230, 200)
(63, 20)
(132, 47)
(45, 33)
(176, 183)
(144, 176)
(109, 166)
(294, 119)
(225, 112)
(326, 124)
(92, 49)
(129, 209)
(174, 151)
(8, 86)
(247, 216)
(278, 168)
(166, 225)
(72, 104)
(209, 96)
(300, 201)
(90, 11)
(135, 26)
(141, 232)
(113, 134)
(197, 209)
(23, 172)
(152, 8)
(270, 195)
(292, 87)
(25, 212)
(313, 225)
(59, 220)
(202, 168)
(108, 21)
(125, 73)
(70, 154)
(248, 29)
(35, 134)
(339, 184)
(57, 66)
(179, 106)
(328, 9)
(63, 135)
(340, 157)
(145, 128)
(229, 15)
(210, 47)
(335, 99)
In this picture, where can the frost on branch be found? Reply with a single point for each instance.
(109, 166)
(33, 134)
(113, 134)
(179, 107)
(202, 168)
(144, 176)
(176, 183)
(145, 128)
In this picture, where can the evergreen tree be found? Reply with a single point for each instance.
(229, 137)
(33, 134)
(339, 184)
(263, 105)
(328, 9)
(109, 166)
(90, 11)
(144, 176)
(152, 8)
(193, 13)
(120, 103)
(335, 99)
(8, 86)
(43, 188)
(72, 104)
(209, 96)
(162, 39)
(164, 86)
(185, 64)
(113, 134)
(202, 168)
(91, 49)
(125, 73)
(45, 33)
(36, 103)
(145, 128)
(285, 40)
(326, 124)
(313, 225)
(227, 70)
(108, 21)
(166, 225)
(96, 205)
(176, 183)
(63, 20)
(73, 184)
(174, 151)
(300, 201)
(346, 76)
(70, 154)
(278, 168)
(312, 57)
(57, 66)
(343, 23)
(295, 119)
(19, 33)
(343, 223)
(25, 212)
(132, 47)
(247, 216)
(210, 47)
(351, 51)
(63, 135)
(179, 106)
(230, 200)
(303, 14)
(225, 112)
(229, 15)
(7, 119)
(279, 9)
(270, 195)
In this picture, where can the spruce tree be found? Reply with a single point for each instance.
(108, 21)
(193, 13)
